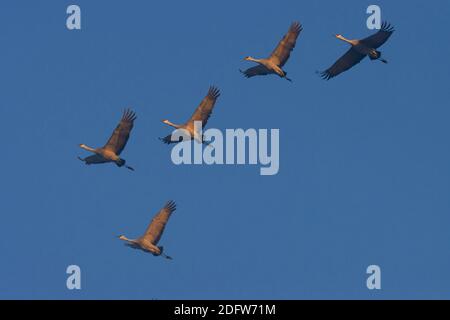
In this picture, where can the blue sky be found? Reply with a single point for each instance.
(364, 158)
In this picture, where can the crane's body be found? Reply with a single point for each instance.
(193, 132)
(116, 143)
(271, 67)
(144, 245)
(360, 47)
(274, 64)
(103, 155)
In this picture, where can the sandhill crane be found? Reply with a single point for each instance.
(274, 64)
(359, 50)
(148, 242)
(116, 143)
(201, 114)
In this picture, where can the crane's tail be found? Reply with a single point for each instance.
(120, 162)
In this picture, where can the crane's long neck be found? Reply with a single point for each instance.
(176, 126)
(85, 147)
(254, 60)
(352, 42)
(127, 240)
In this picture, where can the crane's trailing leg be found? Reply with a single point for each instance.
(166, 256)
(376, 55)
(284, 75)
(162, 254)
(121, 162)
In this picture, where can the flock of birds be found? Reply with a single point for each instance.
(274, 64)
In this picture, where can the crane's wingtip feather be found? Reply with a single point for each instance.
(324, 75)
(213, 92)
(296, 26)
(171, 206)
(164, 140)
(129, 115)
(387, 27)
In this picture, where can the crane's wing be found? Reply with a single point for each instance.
(376, 40)
(348, 60)
(282, 52)
(204, 110)
(159, 221)
(96, 158)
(121, 134)
(258, 70)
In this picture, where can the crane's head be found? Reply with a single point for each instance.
(340, 36)
(248, 58)
(122, 237)
(165, 121)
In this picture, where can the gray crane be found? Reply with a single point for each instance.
(359, 50)
(278, 58)
(115, 145)
(201, 114)
(149, 241)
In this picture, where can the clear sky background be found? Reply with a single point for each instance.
(364, 158)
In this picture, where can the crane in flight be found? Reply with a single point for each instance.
(149, 241)
(201, 114)
(278, 58)
(111, 151)
(359, 50)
